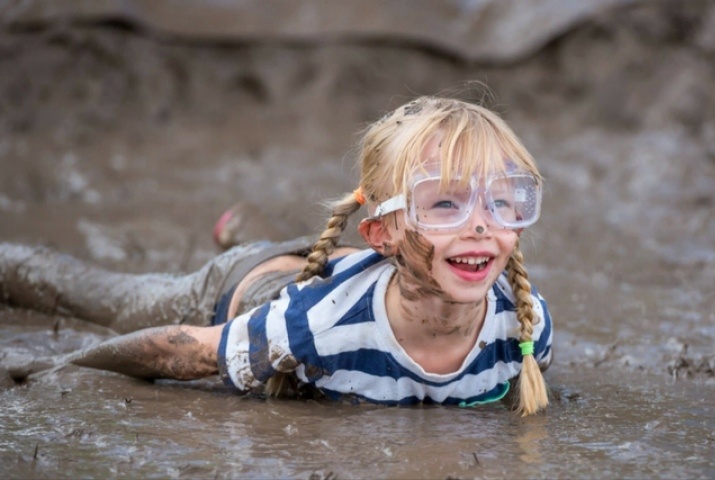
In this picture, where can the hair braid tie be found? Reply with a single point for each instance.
(359, 196)
(527, 348)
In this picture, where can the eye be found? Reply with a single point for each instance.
(501, 203)
(446, 204)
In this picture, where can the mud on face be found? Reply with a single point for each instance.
(415, 255)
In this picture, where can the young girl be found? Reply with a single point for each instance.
(439, 309)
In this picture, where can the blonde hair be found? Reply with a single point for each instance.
(472, 141)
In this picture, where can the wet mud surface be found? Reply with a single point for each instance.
(124, 149)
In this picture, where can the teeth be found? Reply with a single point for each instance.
(470, 260)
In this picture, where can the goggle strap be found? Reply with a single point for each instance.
(392, 205)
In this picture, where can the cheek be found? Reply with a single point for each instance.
(415, 265)
(512, 240)
(416, 252)
(507, 242)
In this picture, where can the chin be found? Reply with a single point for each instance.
(463, 295)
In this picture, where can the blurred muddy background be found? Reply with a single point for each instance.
(127, 127)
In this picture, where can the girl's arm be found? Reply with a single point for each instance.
(175, 352)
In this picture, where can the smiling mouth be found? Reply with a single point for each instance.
(469, 264)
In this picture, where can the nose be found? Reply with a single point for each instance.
(479, 222)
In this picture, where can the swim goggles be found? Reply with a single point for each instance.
(509, 200)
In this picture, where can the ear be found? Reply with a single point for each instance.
(377, 235)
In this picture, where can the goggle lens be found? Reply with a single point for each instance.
(510, 201)
(433, 204)
(514, 201)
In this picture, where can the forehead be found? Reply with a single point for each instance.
(457, 161)
(454, 145)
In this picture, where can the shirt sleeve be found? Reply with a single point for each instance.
(542, 345)
(255, 346)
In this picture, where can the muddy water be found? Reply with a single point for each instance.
(99, 162)
(81, 423)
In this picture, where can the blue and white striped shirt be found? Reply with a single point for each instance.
(333, 332)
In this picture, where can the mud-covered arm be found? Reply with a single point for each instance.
(174, 352)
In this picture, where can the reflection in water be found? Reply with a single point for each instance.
(530, 439)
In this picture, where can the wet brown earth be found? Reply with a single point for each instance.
(123, 148)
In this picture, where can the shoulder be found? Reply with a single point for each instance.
(360, 268)
(354, 263)
(347, 286)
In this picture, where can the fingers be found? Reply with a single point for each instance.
(18, 366)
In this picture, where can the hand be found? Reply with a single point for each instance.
(20, 365)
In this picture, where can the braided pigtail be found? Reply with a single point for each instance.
(328, 240)
(532, 388)
(285, 384)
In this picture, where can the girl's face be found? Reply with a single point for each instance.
(456, 266)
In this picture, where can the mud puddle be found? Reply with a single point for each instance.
(602, 423)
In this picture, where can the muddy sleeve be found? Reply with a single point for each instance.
(267, 340)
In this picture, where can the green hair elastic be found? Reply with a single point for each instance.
(527, 348)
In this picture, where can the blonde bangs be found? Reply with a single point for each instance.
(473, 142)
(409, 147)
(478, 143)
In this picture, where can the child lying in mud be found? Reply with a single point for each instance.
(439, 309)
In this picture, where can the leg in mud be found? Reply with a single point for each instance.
(41, 279)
